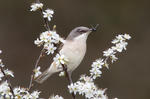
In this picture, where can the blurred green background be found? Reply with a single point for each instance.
(128, 78)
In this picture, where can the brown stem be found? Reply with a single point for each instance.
(36, 64)
(68, 75)
(46, 25)
(9, 84)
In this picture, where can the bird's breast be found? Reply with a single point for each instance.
(75, 52)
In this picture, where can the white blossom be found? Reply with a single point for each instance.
(127, 36)
(50, 49)
(73, 88)
(60, 59)
(35, 94)
(9, 72)
(96, 66)
(115, 41)
(48, 14)
(48, 39)
(36, 6)
(85, 78)
(98, 63)
(113, 58)
(38, 42)
(62, 74)
(5, 90)
(120, 38)
(20, 92)
(120, 46)
(46, 36)
(108, 52)
(95, 72)
(56, 97)
(37, 72)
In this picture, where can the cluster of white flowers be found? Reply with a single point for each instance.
(48, 13)
(56, 97)
(36, 6)
(120, 45)
(85, 85)
(60, 60)
(48, 39)
(18, 92)
(5, 90)
(96, 66)
(23, 93)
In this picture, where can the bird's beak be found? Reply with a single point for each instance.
(93, 29)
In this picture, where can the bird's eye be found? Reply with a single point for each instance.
(81, 31)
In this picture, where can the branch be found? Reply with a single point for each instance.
(68, 75)
(9, 84)
(36, 64)
(46, 25)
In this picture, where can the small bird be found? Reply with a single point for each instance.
(74, 49)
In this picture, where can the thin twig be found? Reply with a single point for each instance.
(36, 64)
(68, 77)
(9, 84)
(46, 25)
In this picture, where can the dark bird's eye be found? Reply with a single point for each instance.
(81, 31)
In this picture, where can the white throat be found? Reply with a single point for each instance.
(82, 37)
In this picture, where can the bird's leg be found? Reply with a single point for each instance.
(68, 75)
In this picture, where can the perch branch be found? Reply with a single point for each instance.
(68, 75)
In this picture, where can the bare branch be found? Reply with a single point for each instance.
(36, 64)
(9, 84)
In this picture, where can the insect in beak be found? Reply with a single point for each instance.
(94, 28)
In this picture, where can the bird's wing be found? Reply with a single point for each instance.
(48, 72)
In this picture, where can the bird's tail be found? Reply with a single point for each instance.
(47, 73)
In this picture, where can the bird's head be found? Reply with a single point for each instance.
(80, 32)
